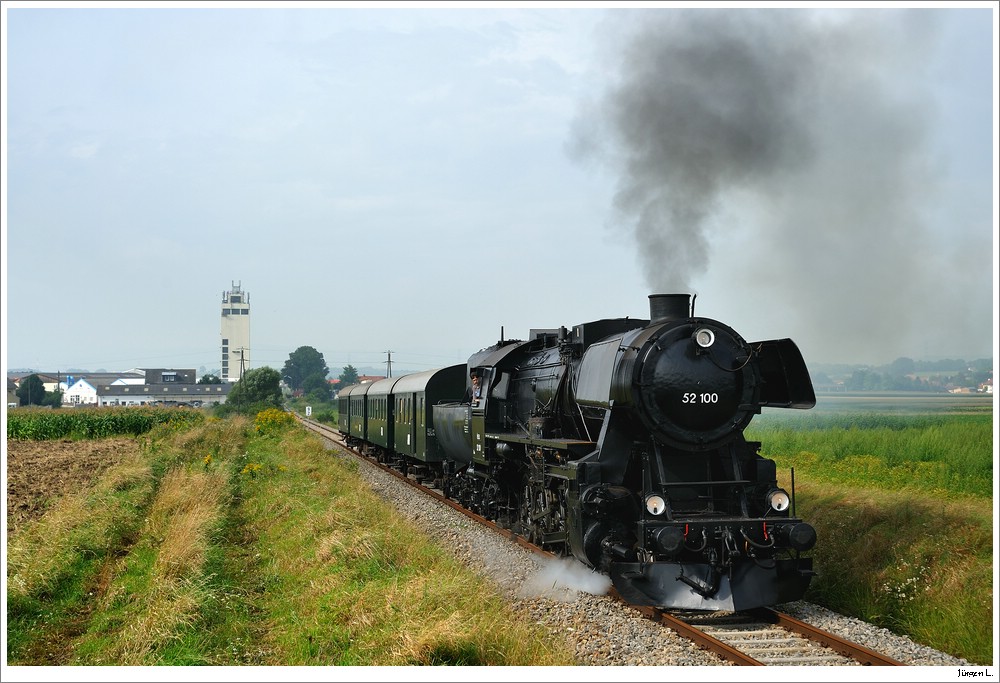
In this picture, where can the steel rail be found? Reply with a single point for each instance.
(857, 652)
(696, 635)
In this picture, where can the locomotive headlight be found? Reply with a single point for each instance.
(704, 337)
(778, 500)
(655, 505)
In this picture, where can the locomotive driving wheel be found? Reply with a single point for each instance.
(530, 512)
(542, 511)
(491, 501)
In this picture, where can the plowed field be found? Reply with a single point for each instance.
(38, 472)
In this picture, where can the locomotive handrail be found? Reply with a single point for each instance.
(720, 482)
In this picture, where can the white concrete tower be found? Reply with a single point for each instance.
(235, 334)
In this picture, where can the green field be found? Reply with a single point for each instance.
(936, 444)
(900, 490)
(895, 403)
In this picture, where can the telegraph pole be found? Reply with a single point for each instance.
(388, 364)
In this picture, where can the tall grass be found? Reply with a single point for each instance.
(248, 544)
(78, 530)
(903, 508)
(949, 454)
(113, 561)
(917, 565)
(351, 582)
(160, 586)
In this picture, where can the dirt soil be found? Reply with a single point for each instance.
(39, 472)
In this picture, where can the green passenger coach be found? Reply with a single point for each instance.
(380, 412)
(413, 396)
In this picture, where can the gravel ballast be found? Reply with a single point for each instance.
(569, 599)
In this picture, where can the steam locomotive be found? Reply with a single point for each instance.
(619, 442)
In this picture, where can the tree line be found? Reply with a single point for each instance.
(906, 374)
(31, 392)
(304, 376)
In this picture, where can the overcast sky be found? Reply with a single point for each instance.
(414, 180)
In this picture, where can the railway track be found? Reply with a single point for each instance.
(766, 637)
(760, 637)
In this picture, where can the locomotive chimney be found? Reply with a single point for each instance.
(664, 307)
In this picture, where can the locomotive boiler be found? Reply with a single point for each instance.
(621, 442)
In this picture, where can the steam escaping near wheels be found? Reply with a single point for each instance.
(563, 578)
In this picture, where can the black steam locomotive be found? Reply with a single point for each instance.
(619, 441)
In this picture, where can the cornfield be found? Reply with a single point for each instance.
(29, 424)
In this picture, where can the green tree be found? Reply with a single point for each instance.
(31, 392)
(348, 377)
(304, 362)
(53, 399)
(210, 379)
(902, 366)
(257, 390)
(316, 387)
(821, 378)
(860, 380)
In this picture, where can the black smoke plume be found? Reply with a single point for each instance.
(789, 146)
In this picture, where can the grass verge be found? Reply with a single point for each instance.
(903, 508)
(233, 543)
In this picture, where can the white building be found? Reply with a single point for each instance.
(155, 386)
(168, 394)
(235, 333)
(81, 389)
(80, 393)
